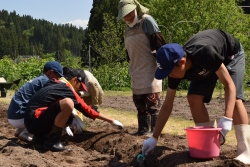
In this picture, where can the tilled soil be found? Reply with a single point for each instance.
(103, 145)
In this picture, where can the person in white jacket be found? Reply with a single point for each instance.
(95, 93)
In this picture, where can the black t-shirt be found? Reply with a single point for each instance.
(54, 91)
(207, 50)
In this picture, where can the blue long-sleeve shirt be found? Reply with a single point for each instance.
(19, 101)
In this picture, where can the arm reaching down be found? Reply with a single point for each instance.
(164, 114)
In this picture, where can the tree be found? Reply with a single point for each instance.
(100, 7)
(108, 43)
(27, 36)
(183, 18)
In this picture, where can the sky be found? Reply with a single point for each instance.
(76, 12)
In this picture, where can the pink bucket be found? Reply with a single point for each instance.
(203, 142)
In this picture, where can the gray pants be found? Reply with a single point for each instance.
(235, 65)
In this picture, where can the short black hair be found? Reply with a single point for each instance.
(70, 73)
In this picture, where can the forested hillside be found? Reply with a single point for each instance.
(24, 35)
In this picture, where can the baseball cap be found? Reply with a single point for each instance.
(167, 57)
(79, 73)
(125, 7)
(55, 66)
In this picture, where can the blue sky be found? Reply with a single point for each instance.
(76, 12)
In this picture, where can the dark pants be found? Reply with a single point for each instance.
(43, 124)
(147, 103)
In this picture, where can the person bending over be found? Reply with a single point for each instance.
(206, 57)
(18, 103)
(50, 109)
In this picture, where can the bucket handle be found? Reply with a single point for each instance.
(223, 137)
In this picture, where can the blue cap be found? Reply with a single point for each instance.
(167, 57)
(55, 66)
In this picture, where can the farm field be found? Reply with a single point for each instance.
(102, 145)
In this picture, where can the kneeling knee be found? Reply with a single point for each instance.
(67, 103)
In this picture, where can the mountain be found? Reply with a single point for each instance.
(23, 35)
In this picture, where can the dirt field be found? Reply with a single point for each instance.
(102, 145)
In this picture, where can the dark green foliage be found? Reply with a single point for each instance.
(104, 35)
(100, 7)
(23, 35)
(113, 76)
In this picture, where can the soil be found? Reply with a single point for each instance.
(103, 145)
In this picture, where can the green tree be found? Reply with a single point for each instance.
(183, 18)
(108, 43)
(70, 60)
(23, 35)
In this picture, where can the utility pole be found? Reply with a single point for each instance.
(89, 60)
(58, 55)
(15, 53)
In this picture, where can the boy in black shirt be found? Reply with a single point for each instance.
(207, 56)
(50, 109)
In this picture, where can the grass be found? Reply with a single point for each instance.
(175, 125)
(118, 93)
(5, 100)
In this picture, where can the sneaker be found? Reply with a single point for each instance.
(25, 135)
(18, 131)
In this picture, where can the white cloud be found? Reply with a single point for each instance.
(78, 23)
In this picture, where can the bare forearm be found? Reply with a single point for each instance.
(105, 118)
(161, 120)
(230, 90)
(230, 98)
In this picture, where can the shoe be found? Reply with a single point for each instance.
(38, 140)
(53, 143)
(143, 125)
(141, 133)
(18, 131)
(242, 133)
(25, 135)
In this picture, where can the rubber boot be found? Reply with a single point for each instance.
(53, 142)
(18, 131)
(143, 124)
(39, 140)
(242, 133)
(208, 124)
(25, 135)
(153, 122)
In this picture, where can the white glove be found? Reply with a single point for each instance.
(148, 145)
(77, 125)
(226, 125)
(117, 123)
(69, 132)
